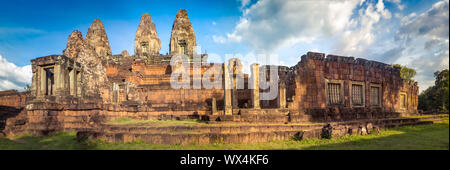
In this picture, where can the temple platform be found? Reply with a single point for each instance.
(212, 132)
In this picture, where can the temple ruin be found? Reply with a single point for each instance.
(87, 84)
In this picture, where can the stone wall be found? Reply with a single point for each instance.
(13, 98)
(315, 71)
(12, 103)
(43, 118)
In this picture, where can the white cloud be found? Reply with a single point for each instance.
(269, 24)
(431, 24)
(358, 28)
(12, 76)
(424, 38)
(244, 3)
(398, 3)
(356, 40)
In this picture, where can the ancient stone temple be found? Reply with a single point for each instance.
(87, 85)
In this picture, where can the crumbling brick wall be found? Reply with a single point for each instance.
(12, 103)
(13, 98)
(314, 71)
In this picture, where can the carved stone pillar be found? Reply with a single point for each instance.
(255, 82)
(59, 79)
(79, 91)
(213, 106)
(282, 96)
(43, 82)
(72, 82)
(228, 109)
(234, 100)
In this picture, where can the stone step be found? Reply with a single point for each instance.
(408, 124)
(243, 128)
(435, 118)
(203, 138)
(232, 134)
(209, 129)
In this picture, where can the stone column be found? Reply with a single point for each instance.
(58, 78)
(34, 89)
(255, 82)
(116, 94)
(43, 81)
(282, 96)
(79, 87)
(234, 100)
(213, 106)
(228, 109)
(72, 82)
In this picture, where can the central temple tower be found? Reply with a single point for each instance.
(146, 43)
(182, 40)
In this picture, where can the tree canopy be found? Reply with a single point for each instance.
(405, 72)
(436, 97)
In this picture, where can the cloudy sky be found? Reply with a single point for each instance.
(412, 33)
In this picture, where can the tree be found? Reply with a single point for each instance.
(442, 87)
(405, 72)
(27, 88)
(437, 96)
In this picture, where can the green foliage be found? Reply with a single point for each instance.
(27, 87)
(436, 97)
(405, 72)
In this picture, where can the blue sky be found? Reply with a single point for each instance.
(412, 33)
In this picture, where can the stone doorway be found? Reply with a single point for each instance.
(49, 81)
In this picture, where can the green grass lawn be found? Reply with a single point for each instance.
(435, 136)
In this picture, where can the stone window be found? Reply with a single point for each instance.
(48, 81)
(182, 44)
(357, 94)
(182, 49)
(403, 102)
(334, 93)
(375, 98)
(144, 47)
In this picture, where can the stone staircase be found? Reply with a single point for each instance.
(435, 118)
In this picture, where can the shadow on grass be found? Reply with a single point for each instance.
(423, 137)
(60, 141)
